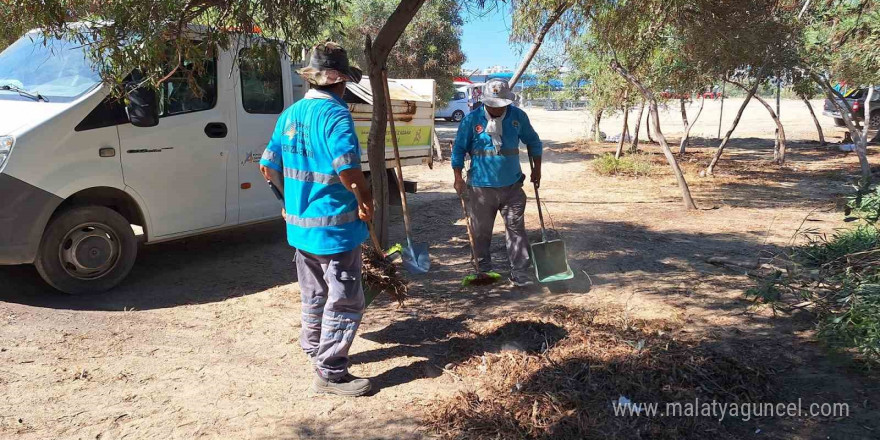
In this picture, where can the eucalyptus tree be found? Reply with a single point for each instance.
(628, 36)
(535, 20)
(749, 39)
(841, 43)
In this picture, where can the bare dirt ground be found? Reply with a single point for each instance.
(201, 339)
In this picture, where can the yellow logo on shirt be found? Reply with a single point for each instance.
(290, 132)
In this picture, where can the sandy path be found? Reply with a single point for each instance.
(201, 340)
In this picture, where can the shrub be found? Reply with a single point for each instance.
(840, 276)
(634, 165)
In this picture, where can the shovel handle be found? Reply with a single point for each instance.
(538, 199)
(360, 200)
(397, 165)
(467, 219)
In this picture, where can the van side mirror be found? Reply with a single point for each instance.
(141, 104)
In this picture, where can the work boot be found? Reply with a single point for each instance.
(348, 385)
(521, 280)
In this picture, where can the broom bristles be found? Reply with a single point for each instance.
(381, 275)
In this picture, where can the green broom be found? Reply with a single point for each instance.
(478, 278)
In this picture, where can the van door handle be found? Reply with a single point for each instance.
(216, 130)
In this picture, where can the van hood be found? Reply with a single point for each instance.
(16, 115)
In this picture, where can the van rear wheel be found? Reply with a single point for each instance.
(86, 249)
(457, 116)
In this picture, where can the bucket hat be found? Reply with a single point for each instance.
(496, 93)
(328, 65)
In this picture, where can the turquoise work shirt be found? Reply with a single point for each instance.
(314, 140)
(491, 168)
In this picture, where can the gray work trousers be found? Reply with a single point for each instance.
(332, 307)
(483, 205)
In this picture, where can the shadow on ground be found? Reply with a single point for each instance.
(196, 270)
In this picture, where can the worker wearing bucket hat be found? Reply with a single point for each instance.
(491, 135)
(314, 157)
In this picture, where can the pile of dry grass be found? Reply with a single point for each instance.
(566, 391)
(380, 275)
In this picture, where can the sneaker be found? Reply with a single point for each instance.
(348, 385)
(521, 281)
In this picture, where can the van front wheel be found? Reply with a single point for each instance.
(86, 249)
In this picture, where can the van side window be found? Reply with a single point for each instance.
(459, 95)
(262, 90)
(192, 88)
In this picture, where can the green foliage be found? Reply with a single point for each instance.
(633, 165)
(429, 48)
(605, 89)
(865, 206)
(858, 325)
(850, 264)
(840, 275)
(158, 37)
(841, 38)
(821, 250)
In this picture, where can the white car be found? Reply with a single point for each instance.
(458, 106)
(79, 169)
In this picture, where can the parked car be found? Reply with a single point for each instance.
(458, 106)
(856, 100)
(79, 168)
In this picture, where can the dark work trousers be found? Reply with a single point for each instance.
(332, 307)
(483, 205)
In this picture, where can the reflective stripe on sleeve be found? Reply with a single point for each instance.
(311, 176)
(317, 222)
(272, 157)
(346, 159)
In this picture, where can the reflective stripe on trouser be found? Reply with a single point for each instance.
(483, 205)
(332, 307)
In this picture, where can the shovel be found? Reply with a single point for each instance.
(548, 256)
(415, 255)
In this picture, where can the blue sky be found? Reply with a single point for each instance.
(484, 41)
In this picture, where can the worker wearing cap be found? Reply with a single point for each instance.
(490, 135)
(314, 157)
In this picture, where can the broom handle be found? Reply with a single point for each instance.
(357, 195)
(467, 219)
(538, 198)
(397, 157)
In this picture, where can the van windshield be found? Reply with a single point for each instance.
(52, 67)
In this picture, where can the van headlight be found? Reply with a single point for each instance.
(6, 144)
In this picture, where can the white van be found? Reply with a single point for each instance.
(80, 173)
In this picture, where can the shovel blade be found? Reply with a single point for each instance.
(550, 261)
(416, 259)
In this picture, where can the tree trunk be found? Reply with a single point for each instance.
(377, 52)
(780, 159)
(860, 142)
(815, 121)
(779, 145)
(635, 139)
(687, 130)
(539, 40)
(751, 92)
(625, 129)
(654, 114)
(648, 124)
(684, 115)
(597, 133)
(859, 138)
